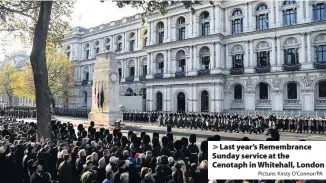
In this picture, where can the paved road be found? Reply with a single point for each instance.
(138, 127)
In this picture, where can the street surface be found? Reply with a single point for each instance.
(201, 134)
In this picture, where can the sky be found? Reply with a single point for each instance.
(86, 13)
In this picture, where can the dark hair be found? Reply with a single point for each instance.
(66, 157)
(146, 139)
(109, 175)
(178, 145)
(217, 138)
(192, 138)
(204, 146)
(184, 141)
(245, 139)
(165, 141)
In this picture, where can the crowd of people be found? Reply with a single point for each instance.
(255, 123)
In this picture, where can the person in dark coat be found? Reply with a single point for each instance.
(65, 170)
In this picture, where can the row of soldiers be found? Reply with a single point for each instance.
(18, 112)
(231, 122)
(72, 112)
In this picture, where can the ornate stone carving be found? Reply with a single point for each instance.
(291, 41)
(187, 49)
(226, 85)
(249, 84)
(237, 48)
(320, 37)
(307, 80)
(277, 82)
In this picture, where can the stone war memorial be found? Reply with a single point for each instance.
(105, 91)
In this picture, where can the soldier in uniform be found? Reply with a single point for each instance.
(160, 119)
(320, 126)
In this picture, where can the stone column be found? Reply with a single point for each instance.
(125, 43)
(252, 57)
(302, 57)
(212, 21)
(166, 30)
(246, 56)
(227, 22)
(191, 61)
(279, 54)
(250, 16)
(227, 58)
(301, 12)
(308, 100)
(218, 60)
(148, 63)
(112, 47)
(153, 64)
(308, 12)
(137, 38)
(250, 100)
(166, 62)
(219, 98)
(217, 19)
(246, 17)
(149, 33)
(272, 15)
(273, 60)
(309, 59)
(196, 58)
(153, 33)
(277, 100)
(190, 25)
(137, 68)
(194, 98)
(212, 57)
(277, 14)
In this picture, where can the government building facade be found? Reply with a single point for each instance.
(226, 56)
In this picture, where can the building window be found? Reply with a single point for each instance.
(205, 25)
(159, 101)
(87, 51)
(107, 44)
(322, 89)
(290, 17)
(263, 58)
(319, 12)
(132, 45)
(291, 56)
(160, 67)
(160, 32)
(132, 71)
(237, 61)
(182, 33)
(205, 29)
(119, 43)
(204, 101)
(205, 62)
(129, 92)
(292, 90)
(287, 3)
(320, 53)
(262, 22)
(97, 47)
(263, 91)
(86, 74)
(144, 70)
(237, 92)
(237, 23)
(181, 65)
(68, 51)
(120, 74)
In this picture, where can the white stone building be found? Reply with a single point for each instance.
(233, 55)
(19, 60)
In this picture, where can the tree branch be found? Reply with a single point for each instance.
(17, 11)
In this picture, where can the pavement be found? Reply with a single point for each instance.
(185, 132)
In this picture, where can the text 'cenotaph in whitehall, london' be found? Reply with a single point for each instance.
(105, 90)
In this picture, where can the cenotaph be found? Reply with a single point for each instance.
(105, 90)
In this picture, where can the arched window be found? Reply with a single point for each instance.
(319, 12)
(142, 93)
(97, 47)
(263, 91)
(320, 53)
(107, 44)
(181, 61)
(289, 13)
(144, 39)
(204, 101)
(144, 67)
(181, 28)
(291, 56)
(159, 63)
(87, 51)
(68, 51)
(86, 74)
(322, 89)
(160, 32)
(292, 91)
(237, 61)
(129, 92)
(237, 92)
(205, 58)
(132, 42)
(131, 67)
(205, 25)
(159, 101)
(263, 58)
(237, 22)
(261, 17)
(119, 43)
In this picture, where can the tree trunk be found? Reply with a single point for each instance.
(40, 72)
